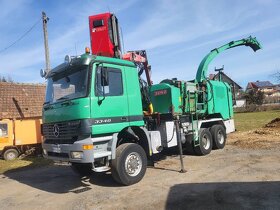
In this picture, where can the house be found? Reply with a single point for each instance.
(236, 89)
(18, 100)
(267, 87)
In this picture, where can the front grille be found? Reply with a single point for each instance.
(55, 154)
(61, 141)
(67, 132)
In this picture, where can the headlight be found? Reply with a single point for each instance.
(77, 155)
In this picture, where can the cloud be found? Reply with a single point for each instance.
(169, 29)
(182, 22)
(67, 31)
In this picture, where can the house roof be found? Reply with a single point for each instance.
(216, 77)
(259, 84)
(18, 100)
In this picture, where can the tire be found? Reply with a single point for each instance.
(130, 164)
(11, 154)
(219, 136)
(82, 169)
(205, 142)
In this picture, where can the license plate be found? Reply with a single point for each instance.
(56, 149)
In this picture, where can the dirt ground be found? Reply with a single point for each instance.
(244, 175)
(266, 137)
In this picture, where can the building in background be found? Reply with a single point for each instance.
(19, 101)
(20, 119)
(267, 87)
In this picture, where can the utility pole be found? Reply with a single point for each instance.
(47, 57)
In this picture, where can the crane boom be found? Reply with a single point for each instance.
(203, 66)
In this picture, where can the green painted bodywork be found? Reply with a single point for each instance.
(119, 112)
(118, 107)
(219, 99)
(174, 98)
(203, 66)
(164, 97)
(215, 100)
(128, 104)
(72, 110)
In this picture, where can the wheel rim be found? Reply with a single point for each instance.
(220, 137)
(11, 156)
(133, 164)
(205, 142)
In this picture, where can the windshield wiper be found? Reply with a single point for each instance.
(62, 98)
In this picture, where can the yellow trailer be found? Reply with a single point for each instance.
(19, 136)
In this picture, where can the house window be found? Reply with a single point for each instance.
(108, 82)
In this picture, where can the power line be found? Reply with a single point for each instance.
(21, 37)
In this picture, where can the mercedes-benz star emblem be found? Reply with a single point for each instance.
(55, 130)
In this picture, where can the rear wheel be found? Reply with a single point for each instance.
(205, 142)
(130, 164)
(10, 154)
(82, 169)
(219, 136)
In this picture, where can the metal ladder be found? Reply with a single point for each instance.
(194, 115)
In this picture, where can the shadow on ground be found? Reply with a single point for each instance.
(228, 195)
(61, 178)
(58, 179)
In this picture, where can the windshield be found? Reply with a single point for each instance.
(67, 85)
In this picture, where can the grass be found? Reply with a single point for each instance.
(253, 120)
(18, 164)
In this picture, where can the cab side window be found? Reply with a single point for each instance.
(3, 129)
(108, 82)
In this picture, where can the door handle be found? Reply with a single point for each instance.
(124, 119)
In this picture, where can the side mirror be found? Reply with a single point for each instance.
(43, 73)
(101, 81)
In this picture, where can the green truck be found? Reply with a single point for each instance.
(96, 117)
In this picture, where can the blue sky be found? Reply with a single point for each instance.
(177, 35)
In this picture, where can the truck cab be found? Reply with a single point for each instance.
(92, 103)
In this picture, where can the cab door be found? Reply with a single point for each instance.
(6, 134)
(109, 104)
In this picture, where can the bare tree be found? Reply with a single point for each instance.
(254, 97)
(10, 79)
(277, 76)
(6, 79)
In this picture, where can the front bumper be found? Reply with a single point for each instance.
(62, 152)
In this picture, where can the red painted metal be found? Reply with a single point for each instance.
(105, 41)
(132, 56)
(101, 35)
(140, 56)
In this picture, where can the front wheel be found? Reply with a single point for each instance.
(205, 142)
(130, 164)
(11, 154)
